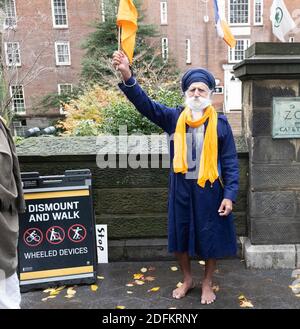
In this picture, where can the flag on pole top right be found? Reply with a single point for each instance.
(282, 21)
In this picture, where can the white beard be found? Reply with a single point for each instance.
(197, 104)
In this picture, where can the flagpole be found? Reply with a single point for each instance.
(119, 38)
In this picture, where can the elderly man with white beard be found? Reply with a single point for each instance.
(204, 173)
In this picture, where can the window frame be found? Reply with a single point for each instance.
(63, 84)
(232, 50)
(167, 48)
(53, 17)
(163, 13)
(188, 51)
(56, 53)
(240, 24)
(12, 99)
(6, 54)
(5, 26)
(261, 23)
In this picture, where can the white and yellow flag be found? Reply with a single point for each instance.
(282, 21)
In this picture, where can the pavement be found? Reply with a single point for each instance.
(234, 284)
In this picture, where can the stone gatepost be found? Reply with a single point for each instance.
(270, 77)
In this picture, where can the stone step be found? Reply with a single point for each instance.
(144, 250)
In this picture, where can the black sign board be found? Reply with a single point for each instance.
(57, 232)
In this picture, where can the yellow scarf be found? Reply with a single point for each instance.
(209, 157)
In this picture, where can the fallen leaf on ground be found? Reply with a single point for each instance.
(216, 288)
(100, 277)
(129, 292)
(129, 285)
(54, 293)
(94, 287)
(154, 289)
(244, 302)
(48, 290)
(143, 270)
(298, 295)
(49, 297)
(69, 296)
(179, 284)
(120, 307)
(71, 291)
(60, 288)
(138, 276)
(202, 262)
(174, 268)
(172, 308)
(139, 282)
(149, 278)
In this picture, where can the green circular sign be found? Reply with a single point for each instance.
(278, 16)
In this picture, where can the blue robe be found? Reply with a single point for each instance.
(194, 224)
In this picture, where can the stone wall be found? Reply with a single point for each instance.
(133, 202)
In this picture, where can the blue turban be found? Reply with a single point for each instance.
(197, 75)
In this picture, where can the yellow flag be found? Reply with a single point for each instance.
(127, 21)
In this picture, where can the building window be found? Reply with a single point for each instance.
(164, 13)
(59, 12)
(12, 54)
(20, 127)
(258, 12)
(11, 14)
(62, 50)
(188, 51)
(165, 48)
(239, 12)
(237, 54)
(17, 97)
(65, 88)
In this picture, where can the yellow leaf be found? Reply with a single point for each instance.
(54, 293)
(129, 292)
(246, 303)
(60, 288)
(129, 285)
(48, 290)
(138, 276)
(201, 262)
(216, 288)
(44, 299)
(149, 278)
(143, 270)
(139, 282)
(174, 268)
(242, 297)
(154, 289)
(179, 284)
(100, 277)
(94, 287)
(120, 307)
(71, 291)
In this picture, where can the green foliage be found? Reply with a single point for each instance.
(148, 65)
(86, 128)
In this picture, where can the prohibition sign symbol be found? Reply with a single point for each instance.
(33, 237)
(77, 233)
(55, 235)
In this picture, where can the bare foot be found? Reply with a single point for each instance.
(208, 295)
(183, 290)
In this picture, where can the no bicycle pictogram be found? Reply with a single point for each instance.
(77, 233)
(33, 237)
(55, 235)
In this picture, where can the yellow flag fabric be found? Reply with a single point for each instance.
(127, 21)
(209, 158)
